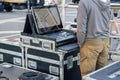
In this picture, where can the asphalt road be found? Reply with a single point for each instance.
(12, 22)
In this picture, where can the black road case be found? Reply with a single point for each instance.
(10, 50)
(63, 63)
(110, 72)
(12, 72)
(48, 47)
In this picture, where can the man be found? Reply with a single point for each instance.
(115, 15)
(93, 19)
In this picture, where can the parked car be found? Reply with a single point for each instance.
(10, 4)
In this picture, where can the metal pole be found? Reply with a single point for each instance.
(28, 5)
(63, 12)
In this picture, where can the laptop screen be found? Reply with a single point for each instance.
(47, 19)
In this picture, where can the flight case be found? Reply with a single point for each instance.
(10, 50)
(43, 28)
(110, 72)
(13, 72)
(48, 47)
(63, 63)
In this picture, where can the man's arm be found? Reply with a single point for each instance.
(81, 22)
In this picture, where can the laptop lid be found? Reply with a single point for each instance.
(47, 19)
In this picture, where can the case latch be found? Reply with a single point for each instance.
(78, 60)
(69, 62)
(17, 61)
(32, 64)
(54, 70)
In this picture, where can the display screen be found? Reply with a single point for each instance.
(46, 19)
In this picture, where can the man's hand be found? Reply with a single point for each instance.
(74, 30)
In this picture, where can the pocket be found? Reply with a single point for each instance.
(93, 50)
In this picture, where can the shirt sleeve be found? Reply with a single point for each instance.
(81, 23)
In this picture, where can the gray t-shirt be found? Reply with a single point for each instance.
(93, 20)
